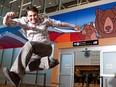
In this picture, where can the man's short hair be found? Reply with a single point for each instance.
(31, 8)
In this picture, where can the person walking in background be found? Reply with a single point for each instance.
(35, 28)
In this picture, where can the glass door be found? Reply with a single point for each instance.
(66, 70)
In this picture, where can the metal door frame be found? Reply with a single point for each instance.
(72, 69)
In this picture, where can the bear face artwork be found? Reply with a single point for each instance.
(89, 32)
(106, 22)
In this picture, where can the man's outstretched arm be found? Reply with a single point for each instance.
(65, 24)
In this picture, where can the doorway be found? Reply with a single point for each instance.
(87, 68)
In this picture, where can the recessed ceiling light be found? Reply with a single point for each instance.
(1, 5)
(12, 1)
(34, 5)
(26, 3)
(38, 6)
(50, 3)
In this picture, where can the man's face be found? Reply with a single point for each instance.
(32, 17)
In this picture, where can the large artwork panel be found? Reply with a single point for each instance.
(67, 17)
(96, 22)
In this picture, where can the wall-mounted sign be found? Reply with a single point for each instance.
(84, 43)
(67, 65)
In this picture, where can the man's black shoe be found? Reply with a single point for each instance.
(13, 77)
(54, 63)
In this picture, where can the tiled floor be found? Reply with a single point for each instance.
(90, 85)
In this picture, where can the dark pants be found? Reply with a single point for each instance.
(24, 57)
